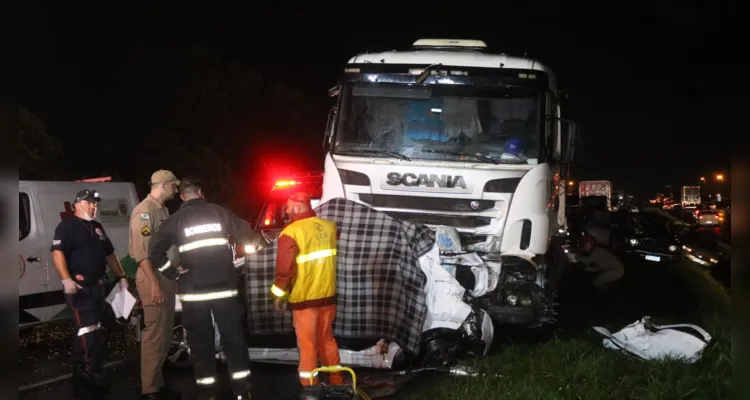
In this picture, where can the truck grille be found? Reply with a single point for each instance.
(457, 221)
(425, 203)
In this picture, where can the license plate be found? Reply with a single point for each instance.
(653, 258)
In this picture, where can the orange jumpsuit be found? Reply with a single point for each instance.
(306, 273)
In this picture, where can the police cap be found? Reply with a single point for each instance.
(88, 195)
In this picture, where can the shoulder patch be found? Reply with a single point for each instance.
(145, 216)
(146, 231)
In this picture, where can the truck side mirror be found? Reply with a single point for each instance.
(567, 140)
(330, 124)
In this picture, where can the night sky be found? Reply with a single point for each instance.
(648, 85)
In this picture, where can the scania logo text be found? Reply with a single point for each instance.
(425, 180)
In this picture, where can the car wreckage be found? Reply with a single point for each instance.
(408, 296)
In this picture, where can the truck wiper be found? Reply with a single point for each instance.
(384, 152)
(456, 153)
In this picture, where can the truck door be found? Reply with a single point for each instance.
(32, 258)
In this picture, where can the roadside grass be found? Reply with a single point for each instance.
(575, 365)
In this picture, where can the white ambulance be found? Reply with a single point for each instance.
(42, 205)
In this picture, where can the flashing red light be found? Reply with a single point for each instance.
(101, 179)
(284, 184)
(267, 221)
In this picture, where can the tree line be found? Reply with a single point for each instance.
(189, 110)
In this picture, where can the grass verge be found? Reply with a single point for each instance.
(575, 365)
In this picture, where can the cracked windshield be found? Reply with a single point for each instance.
(450, 123)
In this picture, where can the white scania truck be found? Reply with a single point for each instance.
(448, 134)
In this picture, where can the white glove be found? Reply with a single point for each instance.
(124, 283)
(70, 286)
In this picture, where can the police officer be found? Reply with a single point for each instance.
(81, 251)
(208, 283)
(157, 293)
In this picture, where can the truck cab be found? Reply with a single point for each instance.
(449, 134)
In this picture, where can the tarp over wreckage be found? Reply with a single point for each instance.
(380, 286)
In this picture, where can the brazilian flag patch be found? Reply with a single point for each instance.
(146, 231)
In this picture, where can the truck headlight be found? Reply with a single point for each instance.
(672, 248)
(249, 248)
(633, 242)
(512, 299)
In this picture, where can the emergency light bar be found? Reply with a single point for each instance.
(102, 179)
(468, 44)
(284, 184)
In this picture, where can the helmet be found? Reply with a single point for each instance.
(588, 239)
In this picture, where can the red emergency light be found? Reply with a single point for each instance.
(93, 180)
(284, 184)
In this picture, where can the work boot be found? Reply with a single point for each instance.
(166, 394)
(88, 385)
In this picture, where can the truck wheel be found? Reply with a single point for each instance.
(179, 355)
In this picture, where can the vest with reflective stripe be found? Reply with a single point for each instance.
(316, 260)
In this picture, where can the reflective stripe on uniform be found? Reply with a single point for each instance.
(224, 294)
(316, 255)
(165, 266)
(277, 291)
(89, 329)
(308, 374)
(206, 381)
(202, 243)
(195, 245)
(241, 374)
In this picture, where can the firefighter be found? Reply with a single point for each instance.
(306, 283)
(157, 293)
(81, 252)
(207, 283)
(608, 267)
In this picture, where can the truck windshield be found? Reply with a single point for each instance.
(441, 122)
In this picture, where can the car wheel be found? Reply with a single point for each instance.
(179, 354)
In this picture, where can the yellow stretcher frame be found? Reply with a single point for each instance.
(335, 369)
(362, 395)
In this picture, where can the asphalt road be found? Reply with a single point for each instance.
(45, 369)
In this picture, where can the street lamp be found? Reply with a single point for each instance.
(703, 179)
(571, 183)
(720, 177)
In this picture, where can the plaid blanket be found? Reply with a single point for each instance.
(379, 284)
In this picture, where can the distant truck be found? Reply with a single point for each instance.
(595, 193)
(691, 196)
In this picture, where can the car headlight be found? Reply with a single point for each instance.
(713, 260)
(673, 248)
(633, 242)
